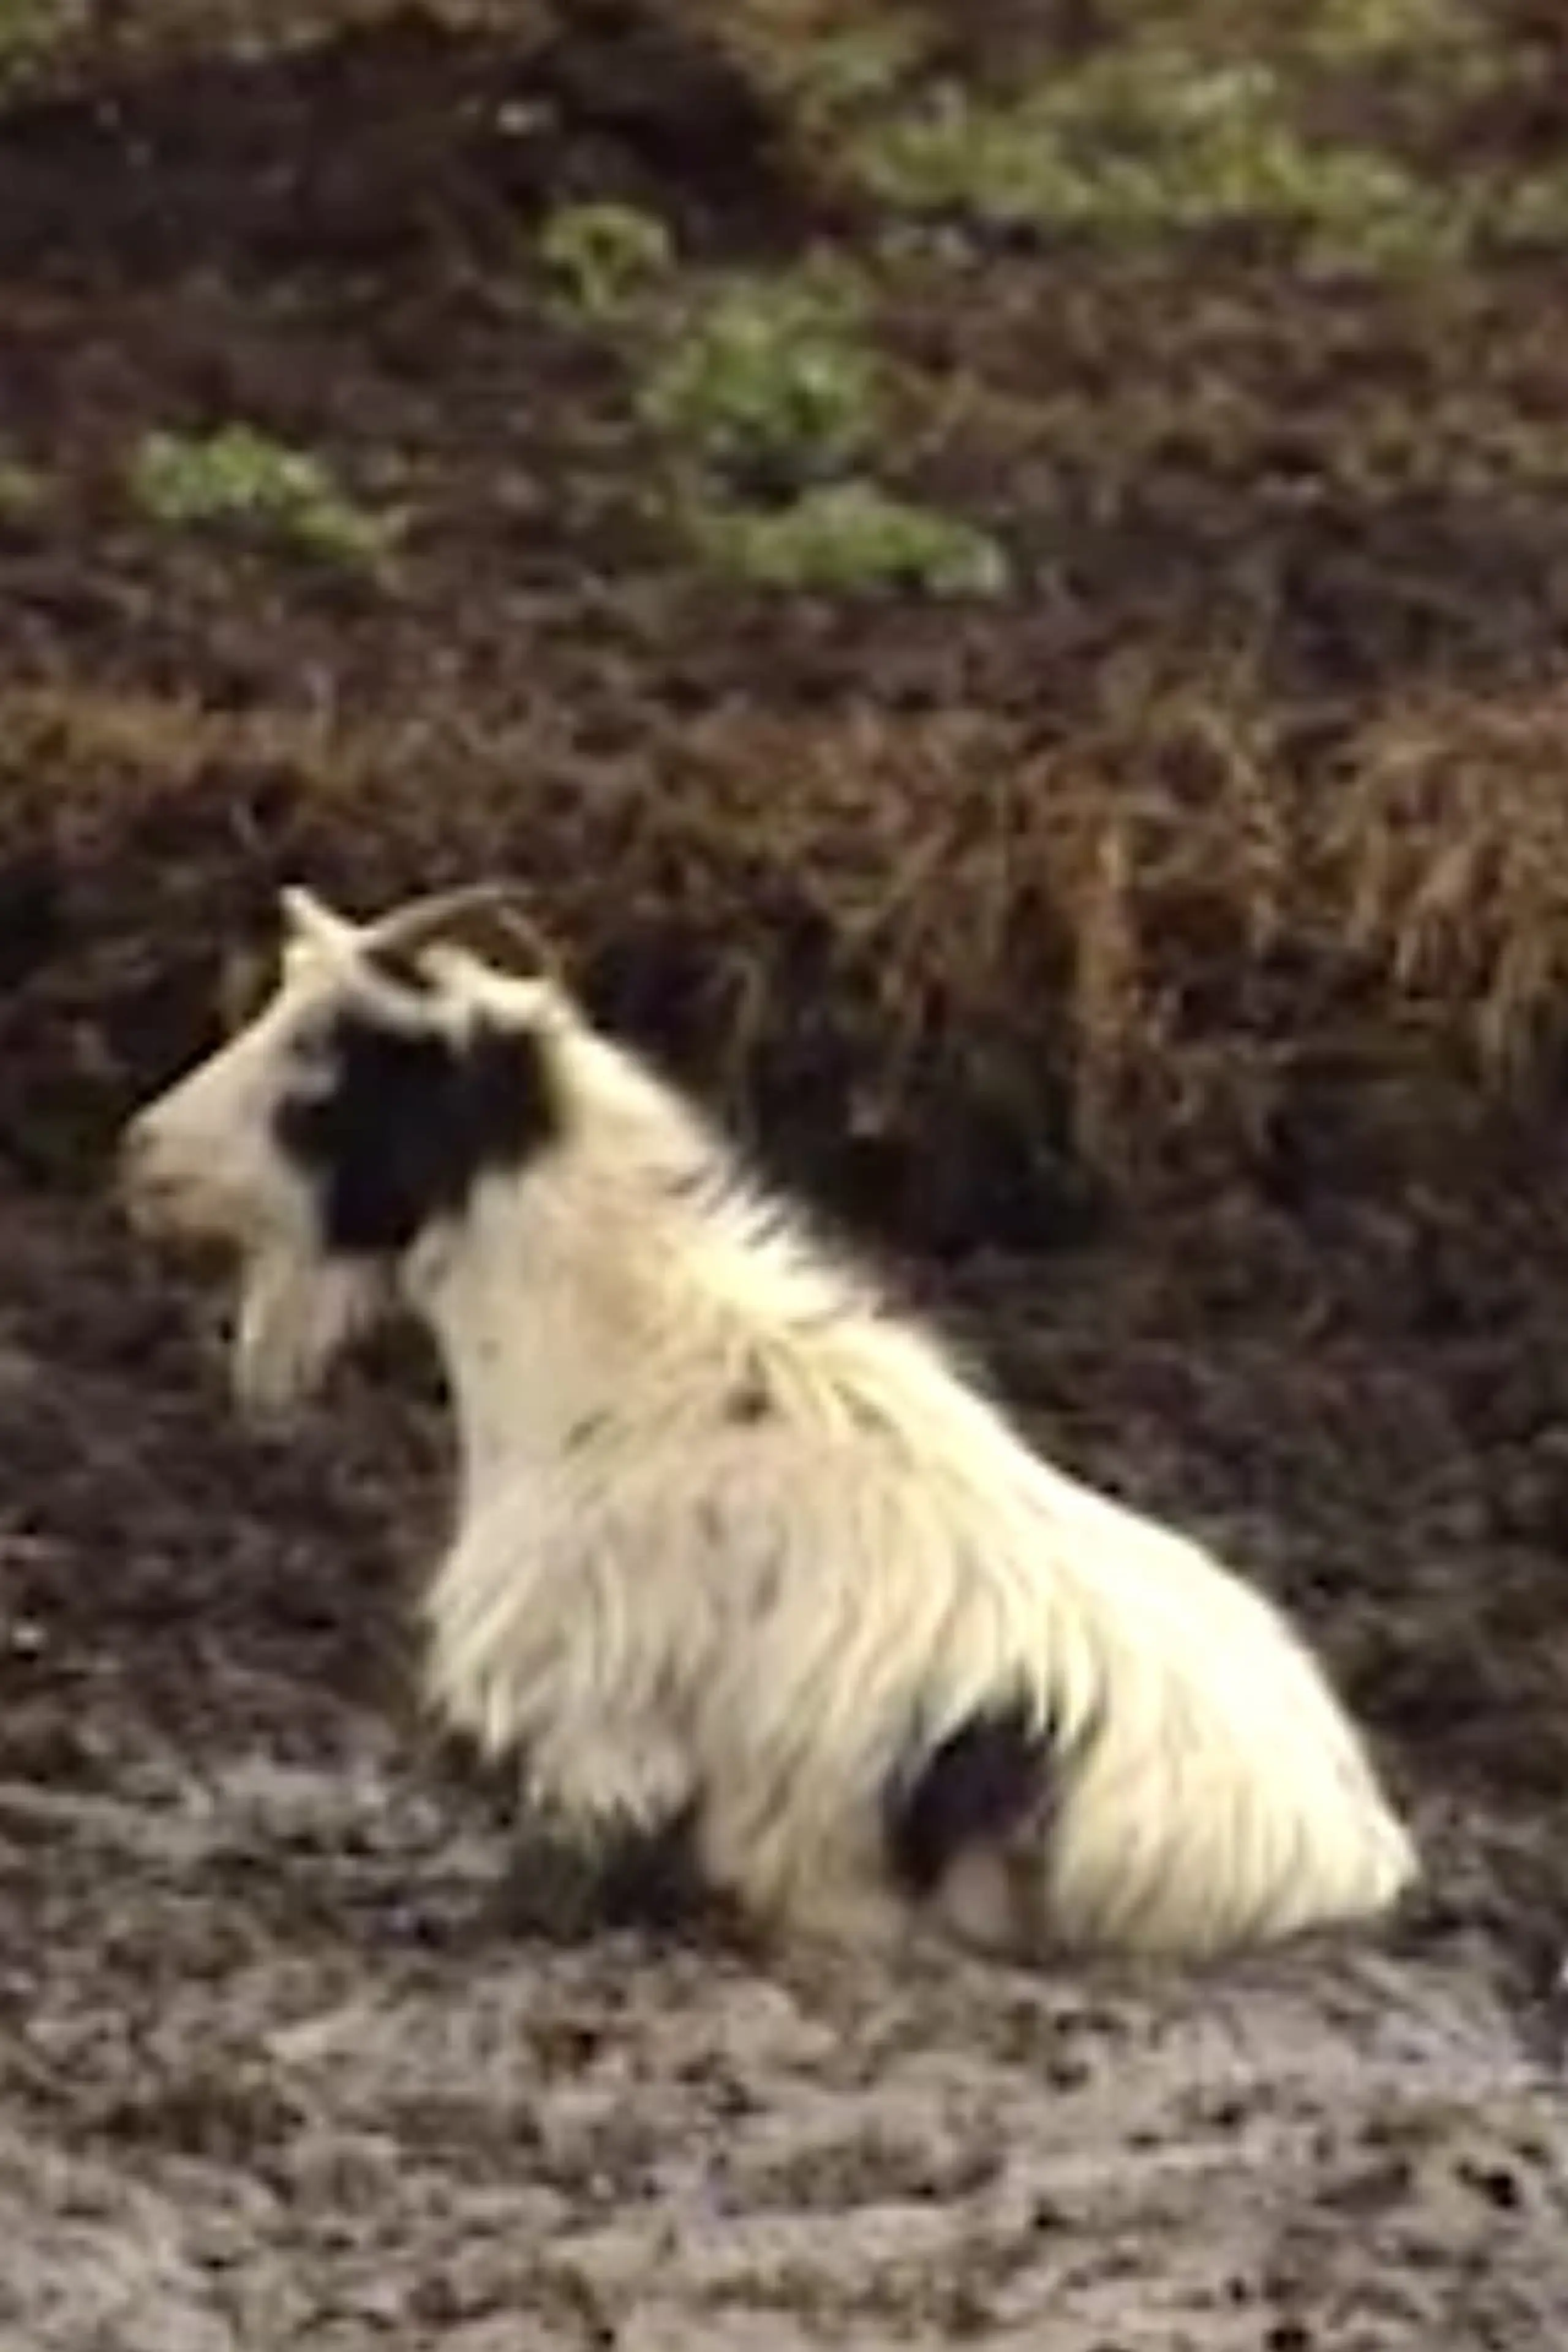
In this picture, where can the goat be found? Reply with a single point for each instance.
(739, 1545)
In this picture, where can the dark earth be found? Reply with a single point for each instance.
(1050, 943)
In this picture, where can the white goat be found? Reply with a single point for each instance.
(738, 1545)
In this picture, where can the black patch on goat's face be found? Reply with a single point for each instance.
(400, 1125)
(973, 1788)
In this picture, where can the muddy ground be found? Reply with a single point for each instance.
(1256, 1218)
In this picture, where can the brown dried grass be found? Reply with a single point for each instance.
(1121, 953)
(1449, 834)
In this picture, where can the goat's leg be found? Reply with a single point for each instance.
(826, 1887)
(604, 1781)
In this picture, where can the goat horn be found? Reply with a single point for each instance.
(491, 919)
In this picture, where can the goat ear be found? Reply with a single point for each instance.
(311, 921)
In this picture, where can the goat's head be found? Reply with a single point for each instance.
(394, 1070)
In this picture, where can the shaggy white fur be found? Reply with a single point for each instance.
(736, 1539)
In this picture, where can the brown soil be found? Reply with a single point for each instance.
(1169, 961)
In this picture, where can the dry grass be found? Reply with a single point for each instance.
(1451, 835)
(1113, 951)
(1123, 952)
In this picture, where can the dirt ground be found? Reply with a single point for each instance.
(1049, 941)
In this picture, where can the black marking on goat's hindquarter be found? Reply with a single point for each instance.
(973, 1788)
(410, 1123)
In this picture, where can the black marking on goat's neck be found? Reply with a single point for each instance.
(410, 1124)
(975, 1788)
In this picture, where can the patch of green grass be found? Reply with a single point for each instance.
(1355, 32)
(1347, 31)
(28, 25)
(238, 478)
(770, 381)
(836, 74)
(1211, 118)
(766, 397)
(1150, 140)
(605, 255)
(847, 537)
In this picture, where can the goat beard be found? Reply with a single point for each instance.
(297, 1315)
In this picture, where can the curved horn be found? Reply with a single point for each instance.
(307, 916)
(490, 920)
